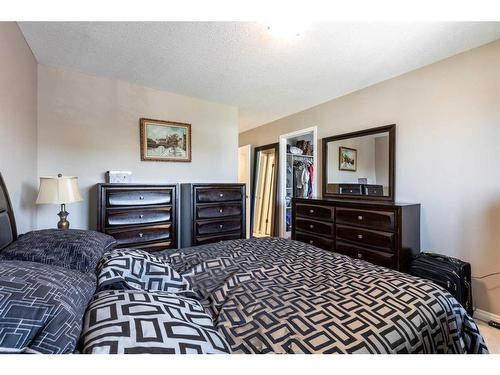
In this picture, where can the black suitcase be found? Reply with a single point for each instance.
(452, 274)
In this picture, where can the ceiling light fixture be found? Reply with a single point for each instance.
(287, 28)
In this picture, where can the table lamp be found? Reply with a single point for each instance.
(59, 190)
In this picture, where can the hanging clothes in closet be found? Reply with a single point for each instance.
(311, 176)
(303, 178)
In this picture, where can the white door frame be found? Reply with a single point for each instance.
(282, 173)
(245, 176)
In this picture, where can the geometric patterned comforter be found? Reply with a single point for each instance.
(275, 295)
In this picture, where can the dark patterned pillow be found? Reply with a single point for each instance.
(136, 322)
(139, 270)
(42, 307)
(75, 249)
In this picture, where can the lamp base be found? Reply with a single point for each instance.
(63, 223)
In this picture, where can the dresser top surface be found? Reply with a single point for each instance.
(208, 184)
(354, 201)
(135, 184)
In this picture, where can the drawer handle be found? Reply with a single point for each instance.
(360, 255)
(221, 226)
(141, 235)
(221, 195)
(141, 198)
(360, 236)
(311, 226)
(311, 211)
(360, 217)
(141, 216)
(220, 211)
(311, 242)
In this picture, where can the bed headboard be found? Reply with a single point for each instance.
(8, 232)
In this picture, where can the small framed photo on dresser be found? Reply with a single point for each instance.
(165, 140)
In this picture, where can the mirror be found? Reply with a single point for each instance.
(265, 191)
(360, 165)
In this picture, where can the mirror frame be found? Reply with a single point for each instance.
(275, 223)
(391, 129)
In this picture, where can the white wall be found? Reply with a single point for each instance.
(447, 152)
(88, 125)
(18, 149)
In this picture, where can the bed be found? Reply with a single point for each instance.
(265, 295)
(272, 295)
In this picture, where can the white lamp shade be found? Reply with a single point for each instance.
(58, 190)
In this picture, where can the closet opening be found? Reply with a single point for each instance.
(298, 172)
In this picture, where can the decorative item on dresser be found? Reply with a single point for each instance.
(383, 233)
(212, 213)
(139, 216)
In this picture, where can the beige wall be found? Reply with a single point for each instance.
(88, 125)
(447, 153)
(18, 148)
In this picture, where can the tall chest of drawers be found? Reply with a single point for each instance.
(139, 216)
(212, 213)
(386, 234)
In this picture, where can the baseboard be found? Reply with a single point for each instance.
(486, 316)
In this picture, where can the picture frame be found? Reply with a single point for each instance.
(165, 140)
(348, 159)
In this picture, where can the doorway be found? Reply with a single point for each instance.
(244, 177)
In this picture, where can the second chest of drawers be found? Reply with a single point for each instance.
(212, 213)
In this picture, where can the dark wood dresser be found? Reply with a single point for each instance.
(139, 216)
(386, 234)
(212, 213)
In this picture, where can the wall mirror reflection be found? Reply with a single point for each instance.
(360, 165)
(264, 191)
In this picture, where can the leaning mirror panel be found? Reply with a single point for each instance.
(264, 191)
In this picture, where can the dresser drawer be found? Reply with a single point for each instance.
(155, 246)
(223, 194)
(217, 238)
(138, 216)
(382, 220)
(313, 211)
(316, 227)
(317, 241)
(374, 190)
(218, 210)
(217, 226)
(380, 240)
(138, 235)
(376, 257)
(139, 198)
(351, 189)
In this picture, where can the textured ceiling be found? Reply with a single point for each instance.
(244, 65)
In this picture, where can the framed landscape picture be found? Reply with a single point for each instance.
(165, 140)
(348, 159)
